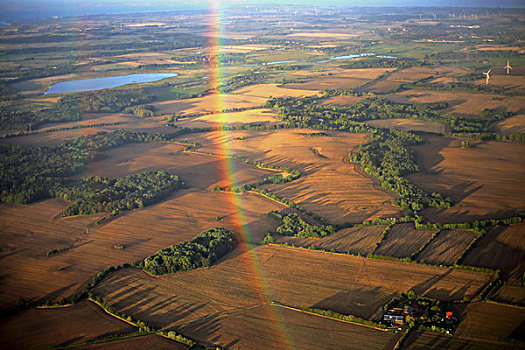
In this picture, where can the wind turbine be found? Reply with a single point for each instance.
(508, 68)
(487, 74)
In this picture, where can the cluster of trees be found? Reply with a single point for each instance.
(386, 157)
(239, 81)
(202, 251)
(105, 100)
(141, 111)
(278, 178)
(294, 225)
(101, 194)
(7, 92)
(379, 62)
(16, 119)
(345, 92)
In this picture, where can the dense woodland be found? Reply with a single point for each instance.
(108, 100)
(101, 194)
(204, 250)
(294, 225)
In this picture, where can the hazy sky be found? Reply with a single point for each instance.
(26, 9)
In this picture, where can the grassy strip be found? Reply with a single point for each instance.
(402, 339)
(381, 238)
(100, 340)
(346, 318)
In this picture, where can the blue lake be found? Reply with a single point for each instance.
(105, 83)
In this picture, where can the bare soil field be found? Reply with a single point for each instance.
(236, 118)
(484, 180)
(347, 79)
(512, 125)
(356, 240)
(446, 248)
(393, 80)
(403, 240)
(200, 171)
(35, 276)
(273, 90)
(257, 329)
(42, 328)
(409, 125)
(28, 273)
(502, 248)
(156, 342)
(245, 279)
(209, 103)
(420, 340)
(330, 186)
(341, 101)
(510, 294)
(490, 321)
(462, 103)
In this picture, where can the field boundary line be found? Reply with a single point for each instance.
(220, 315)
(113, 315)
(276, 303)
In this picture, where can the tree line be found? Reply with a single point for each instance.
(293, 225)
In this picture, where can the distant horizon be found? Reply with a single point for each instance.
(29, 9)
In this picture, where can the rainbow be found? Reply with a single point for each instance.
(228, 170)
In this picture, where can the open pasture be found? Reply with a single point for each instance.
(403, 240)
(356, 240)
(330, 186)
(490, 321)
(277, 327)
(42, 328)
(502, 248)
(89, 249)
(246, 279)
(483, 180)
(409, 125)
(446, 247)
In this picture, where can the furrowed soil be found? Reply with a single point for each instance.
(330, 186)
(348, 79)
(356, 240)
(246, 279)
(512, 125)
(490, 321)
(510, 294)
(484, 180)
(260, 328)
(90, 248)
(447, 247)
(403, 240)
(420, 340)
(42, 328)
(502, 248)
(156, 342)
